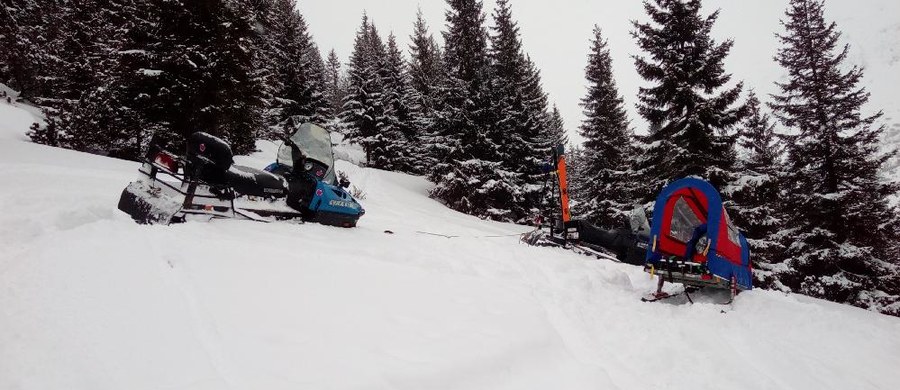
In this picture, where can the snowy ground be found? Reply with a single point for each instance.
(90, 300)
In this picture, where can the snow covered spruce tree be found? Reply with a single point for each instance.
(364, 113)
(161, 72)
(689, 106)
(606, 183)
(380, 106)
(402, 131)
(108, 117)
(30, 32)
(297, 72)
(72, 57)
(520, 112)
(575, 173)
(223, 90)
(756, 201)
(556, 129)
(425, 68)
(318, 78)
(468, 175)
(537, 104)
(226, 98)
(335, 85)
(841, 234)
(13, 40)
(229, 99)
(426, 73)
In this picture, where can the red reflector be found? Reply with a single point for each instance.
(166, 161)
(706, 277)
(208, 208)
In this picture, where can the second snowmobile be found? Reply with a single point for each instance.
(627, 244)
(204, 184)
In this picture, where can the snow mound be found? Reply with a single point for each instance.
(91, 300)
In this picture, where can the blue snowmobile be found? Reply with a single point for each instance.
(205, 184)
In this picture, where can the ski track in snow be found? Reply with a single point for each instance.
(91, 300)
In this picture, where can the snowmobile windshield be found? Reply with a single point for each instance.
(314, 142)
(638, 221)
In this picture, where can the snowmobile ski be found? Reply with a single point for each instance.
(562, 182)
(656, 297)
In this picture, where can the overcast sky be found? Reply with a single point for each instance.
(556, 34)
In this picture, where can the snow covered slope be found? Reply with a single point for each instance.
(90, 300)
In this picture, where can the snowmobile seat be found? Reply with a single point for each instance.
(209, 157)
(255, 182)
(625, 244)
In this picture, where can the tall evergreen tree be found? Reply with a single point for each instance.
(398, 90)
(556, 134)
(14, 37)
(536, 105)
(606, 193)
(75, 52)
(401, 132)
(106, 118)
(756, 201)
(263, 15)
(468, 175)
(842, 231)
(235, 108)
(520, 112)
(335, 88)
(141, 68)
(688, 105)
(297, 69)
(318, 101)
(113, 72)
(425, 68)
(31, 36)
(426, 72)
(576, 174)
(364, 112)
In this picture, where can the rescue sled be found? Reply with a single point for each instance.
(694, 242)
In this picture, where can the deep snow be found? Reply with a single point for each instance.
(90, 300)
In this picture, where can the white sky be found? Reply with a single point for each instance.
(556, 35)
